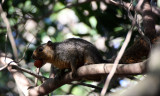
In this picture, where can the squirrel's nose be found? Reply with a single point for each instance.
(33, 56)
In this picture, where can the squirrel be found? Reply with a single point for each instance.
(69, 54)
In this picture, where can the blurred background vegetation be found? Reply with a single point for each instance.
(37, 21)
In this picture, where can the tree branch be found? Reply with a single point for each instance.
(118, 58)
(9, 32)
(87, 85)
(150, 85)
(42, 78)
(21, 81)
(95, 71)
(138, 9)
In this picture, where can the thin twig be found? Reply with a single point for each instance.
(141, 32)
(36, 79)
(116, 62)
(9, 32)
(25, 51)
(42, 78)
(87, 85)
(5, 49)
(4, 67)
(103, 92)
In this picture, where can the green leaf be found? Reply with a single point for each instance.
(58, 6)
(93, 21)
(158, 3)
(117, 29)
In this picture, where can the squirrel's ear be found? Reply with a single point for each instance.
(49, 43)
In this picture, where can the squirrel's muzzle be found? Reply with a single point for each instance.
(33, 56)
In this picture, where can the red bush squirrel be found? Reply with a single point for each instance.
(71, 53)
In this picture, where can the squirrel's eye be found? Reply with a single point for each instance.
(40, 49)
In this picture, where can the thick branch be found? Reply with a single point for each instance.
(95, 71)
(150, 85)
(20, 79)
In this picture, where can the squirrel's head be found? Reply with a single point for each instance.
(44, 53)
